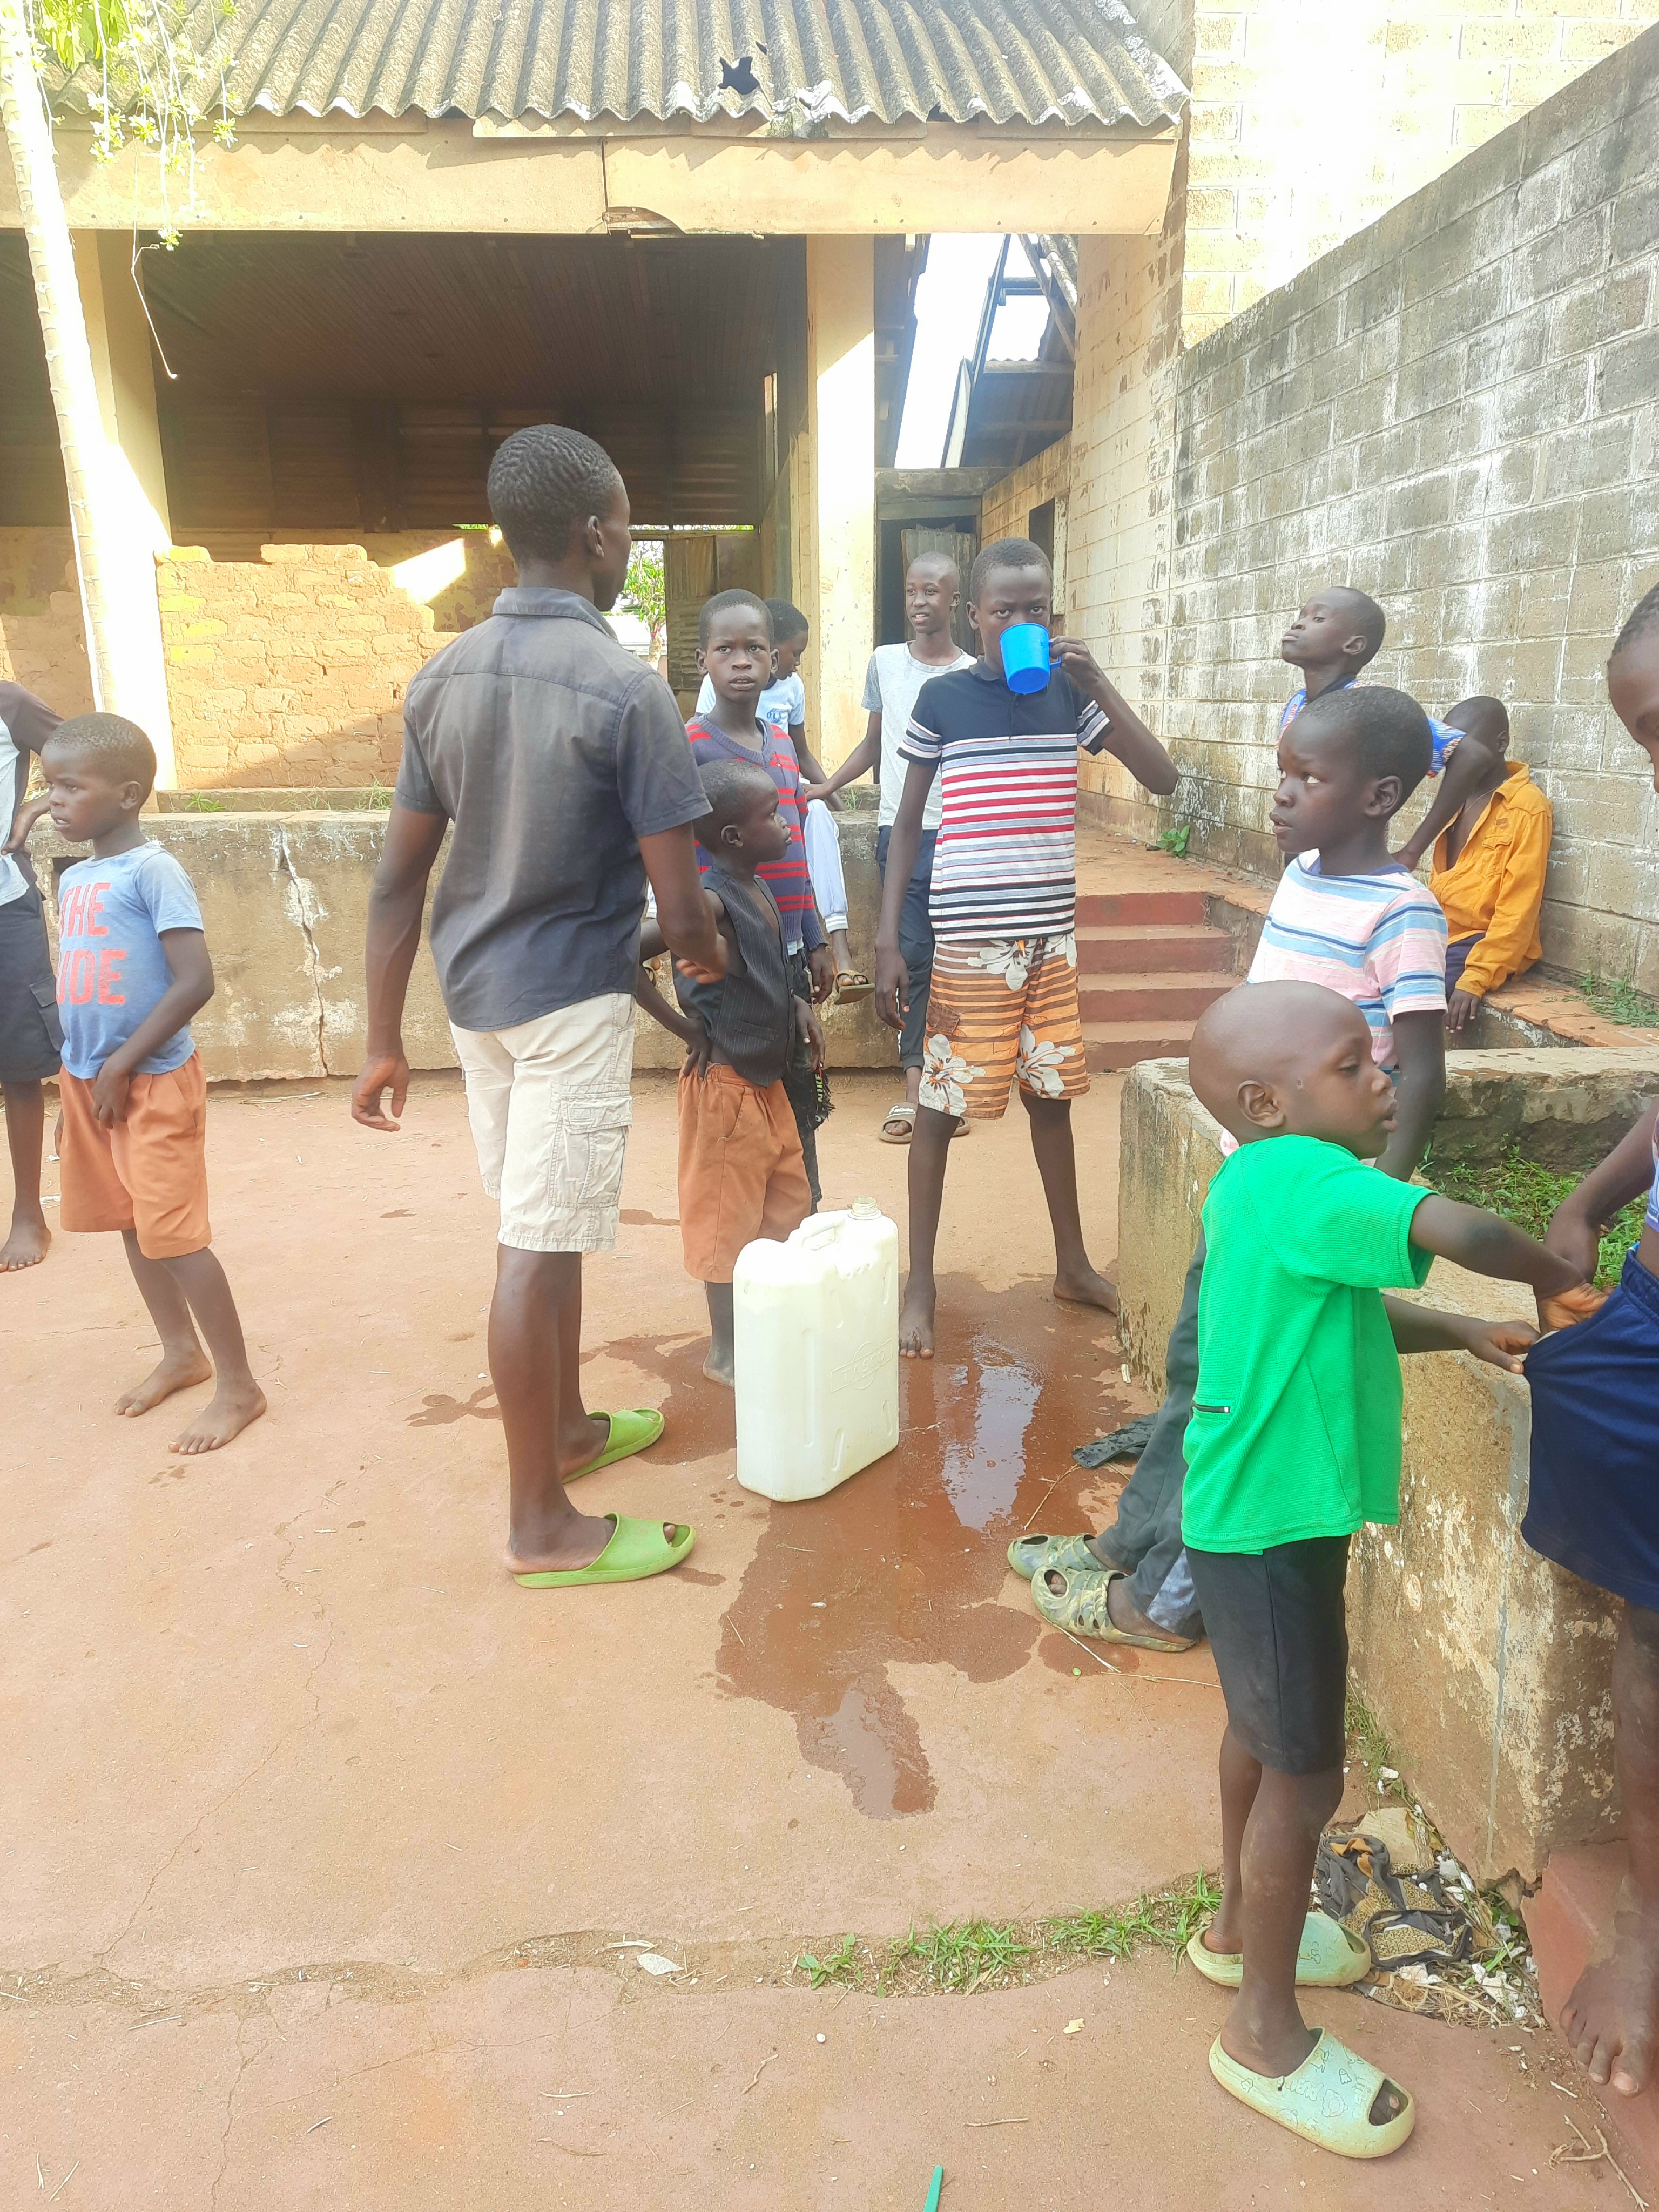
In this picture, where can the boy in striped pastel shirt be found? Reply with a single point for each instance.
(1003, 1009)
(1347, 915)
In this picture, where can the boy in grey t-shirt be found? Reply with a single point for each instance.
(563, 766)
(896, 675)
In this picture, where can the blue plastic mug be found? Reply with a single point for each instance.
(1025, 658)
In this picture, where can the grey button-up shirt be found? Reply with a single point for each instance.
(553, 753)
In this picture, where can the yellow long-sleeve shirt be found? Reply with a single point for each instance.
(1495, 888)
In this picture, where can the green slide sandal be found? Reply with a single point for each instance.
(637, 1549)
(1035, 1555)
(1081, 1608)
(1328, 2101)
(633, 1430)
(1327, 1958)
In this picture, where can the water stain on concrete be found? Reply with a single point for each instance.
(439, 1411)
(905, 1564)
(699, 1417)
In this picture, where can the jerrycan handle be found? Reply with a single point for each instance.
(814, 1234)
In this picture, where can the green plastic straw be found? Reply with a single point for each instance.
(938, 2183)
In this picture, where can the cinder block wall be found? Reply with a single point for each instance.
(1455, 410)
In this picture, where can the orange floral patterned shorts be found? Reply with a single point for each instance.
(1000, 1013)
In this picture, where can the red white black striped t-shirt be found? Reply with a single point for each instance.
(1006, 863)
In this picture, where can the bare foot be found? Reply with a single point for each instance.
(1088, 1288)
(916, 1320)
(227, 1413)
(169, 1373)
(720, 1367)
(1612, 2018)
(26, 1247)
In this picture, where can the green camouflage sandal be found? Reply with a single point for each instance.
(1035, 1555)
(1080, 1608)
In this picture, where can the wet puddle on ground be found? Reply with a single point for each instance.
(905, 1563)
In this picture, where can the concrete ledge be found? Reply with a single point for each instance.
(284, 900)
(1487, 1667)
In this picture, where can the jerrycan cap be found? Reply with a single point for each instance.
(866, 1209)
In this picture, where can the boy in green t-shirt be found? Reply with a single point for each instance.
(1294, 1441)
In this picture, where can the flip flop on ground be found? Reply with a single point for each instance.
(1080, 1608)
(1328, 2101)
(634, 1429)
(1327, 1958)
(899, 1123)
(637, 1550)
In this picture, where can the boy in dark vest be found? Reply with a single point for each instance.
(742, 1171)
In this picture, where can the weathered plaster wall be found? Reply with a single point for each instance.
(285, 904)
(1487, 1667)
(1456, 411)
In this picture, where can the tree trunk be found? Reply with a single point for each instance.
(116, 567)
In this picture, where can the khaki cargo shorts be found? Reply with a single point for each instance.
(550, 1105)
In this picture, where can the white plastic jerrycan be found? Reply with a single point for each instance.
(817, 1352)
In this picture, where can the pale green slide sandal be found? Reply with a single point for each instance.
(1327, 1958)
(1035, 1555)
(637, 1549)
(632, 1431)
(1328, 2101)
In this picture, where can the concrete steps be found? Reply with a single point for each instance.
(1149, 964)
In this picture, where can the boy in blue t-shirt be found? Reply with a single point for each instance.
(132, 969)
(1294, 1442)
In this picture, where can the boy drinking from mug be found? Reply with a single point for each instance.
(1004, 1004)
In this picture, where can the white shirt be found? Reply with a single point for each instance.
(895, 678)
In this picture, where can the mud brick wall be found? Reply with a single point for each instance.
(1456, 411)
(290, 668)
(42, 639)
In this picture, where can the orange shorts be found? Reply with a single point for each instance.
(742, 1175)
(1000, 1012)
(148, 1172)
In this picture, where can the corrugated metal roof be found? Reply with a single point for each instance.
(798, 64)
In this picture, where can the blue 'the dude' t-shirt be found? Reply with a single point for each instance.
(111, 967)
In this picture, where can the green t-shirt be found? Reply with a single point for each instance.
(1296, 1420)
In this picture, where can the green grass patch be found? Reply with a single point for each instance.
(963, 1956)
(1174, 841)
(204, 802)
(1527, 1194)
(1619, 1001)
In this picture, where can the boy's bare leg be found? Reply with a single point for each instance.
(930, 1148)
(1075, 1276)
(582, 1436)
(535, 1327)
(183, 1362)
(26, 1125)
(720, 1366)
(1240, 1777)
(239, 1399)
(1264, 2030)
(841, 952)
(1612, 2018)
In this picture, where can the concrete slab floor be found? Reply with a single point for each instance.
(315, 1826)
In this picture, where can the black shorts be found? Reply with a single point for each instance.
(31, 1034)
(1278, 1629)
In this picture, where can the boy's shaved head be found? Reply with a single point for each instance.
(544, 483)
(1363, 612)
(787, 621)
(119, 749)
(1482, 718)
(1643, 617)
(1388, 731)
(734, 789)
(726, 603)
(1268, 1034)
(1006, 553)
(934, 564)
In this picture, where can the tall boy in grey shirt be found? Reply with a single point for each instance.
(563, 767)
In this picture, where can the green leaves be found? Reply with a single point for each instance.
(74, 32)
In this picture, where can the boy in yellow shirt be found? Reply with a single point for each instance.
(1489, 867)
